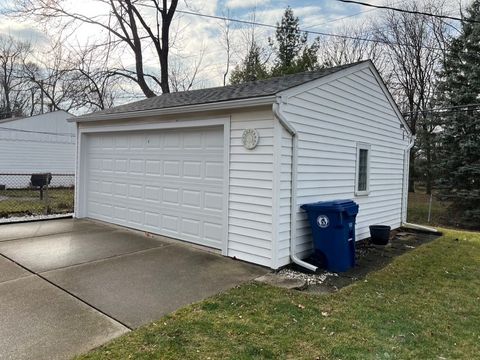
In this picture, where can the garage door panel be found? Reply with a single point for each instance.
(149, 153)
(153, 167)
(211, 197)
(213, 232)
(213, 201)
(165, 182)
(210, 234)
(170, 208)
(195, 169)
(154, 180)
(191, 198)
(193, 141)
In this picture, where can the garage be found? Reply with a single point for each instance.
(167, 182)
(229, 167)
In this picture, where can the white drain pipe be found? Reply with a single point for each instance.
(406, 165)
(293, 191)
(420, 227)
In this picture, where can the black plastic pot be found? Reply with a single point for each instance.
(379, 234)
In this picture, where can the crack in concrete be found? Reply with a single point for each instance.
(39, 275)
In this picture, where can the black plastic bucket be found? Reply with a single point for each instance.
(380, 234)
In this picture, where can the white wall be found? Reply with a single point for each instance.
(330, 119)
(42, 143)
(283, 183)
(250, 228)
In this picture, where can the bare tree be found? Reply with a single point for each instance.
(355, 46)
(70, 79)
(254, 64)
(183, 76)
(49, 72)
(36, 104)
(413, 50)
(12, 55)
(96, 86)
(129, 22)
(226, 41)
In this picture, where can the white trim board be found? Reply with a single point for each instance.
(368, 147)
(155, 126)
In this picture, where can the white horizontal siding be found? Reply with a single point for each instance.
(43, 143)
(330, 120)
(251, 189)
(285, 184)
(29, 157)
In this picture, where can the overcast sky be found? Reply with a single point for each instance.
(195, 35)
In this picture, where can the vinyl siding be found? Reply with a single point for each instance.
(251, 189)
(284, 195)
(43, 143)
(330, 119)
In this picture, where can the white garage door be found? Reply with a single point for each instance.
(168, 182)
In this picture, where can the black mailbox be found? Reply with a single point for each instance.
(40, 181)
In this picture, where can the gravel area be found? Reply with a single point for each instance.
(311, 279)
(15, 219)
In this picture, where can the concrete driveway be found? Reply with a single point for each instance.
(67, 286)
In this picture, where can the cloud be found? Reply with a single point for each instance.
(23, 32)
(202, 6)
(242, 4)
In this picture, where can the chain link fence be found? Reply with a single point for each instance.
(429, 209)
(27, 195)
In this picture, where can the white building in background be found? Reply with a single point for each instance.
(37, 144)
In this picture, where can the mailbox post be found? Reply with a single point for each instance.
(41, 181)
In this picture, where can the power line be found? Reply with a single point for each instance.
(466, 107)
(348, 16)
(409, 11)
(256, 23)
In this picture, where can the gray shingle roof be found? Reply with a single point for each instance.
(247, 90)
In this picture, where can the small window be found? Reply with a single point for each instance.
(362, 171)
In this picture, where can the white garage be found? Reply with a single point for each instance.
(229, 167)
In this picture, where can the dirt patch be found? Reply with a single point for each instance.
(369, 258)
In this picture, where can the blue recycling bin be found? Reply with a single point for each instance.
(333, 230)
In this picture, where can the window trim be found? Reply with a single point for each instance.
(368, 147)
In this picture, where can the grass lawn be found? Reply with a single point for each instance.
(17, 202)
(424, 305)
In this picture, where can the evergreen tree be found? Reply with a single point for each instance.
(460, 140)
(291, 47)
(252, 67)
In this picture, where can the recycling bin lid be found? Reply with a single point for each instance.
(333, 205)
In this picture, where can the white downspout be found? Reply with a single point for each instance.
(293, 208)
(405, 188)
(406, 156)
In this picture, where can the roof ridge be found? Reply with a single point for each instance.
(273, 78)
